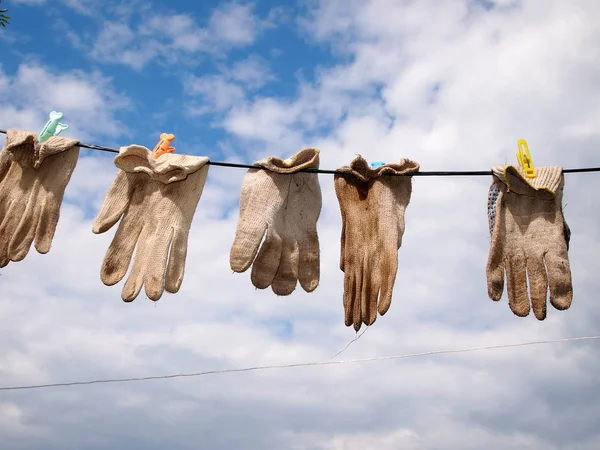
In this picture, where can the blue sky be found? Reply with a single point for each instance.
(451, 85)
(175, 74)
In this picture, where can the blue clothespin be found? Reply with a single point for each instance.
(376, 164)
(53, 127)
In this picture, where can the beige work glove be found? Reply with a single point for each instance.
(372, 204)
(33, 179)
(286, 204)
(156, 201)
(529, 240)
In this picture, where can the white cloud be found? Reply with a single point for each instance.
(29, 2)
(521, 72)
(88, 101)
(234, 23)
(231, 86)
(174, 38)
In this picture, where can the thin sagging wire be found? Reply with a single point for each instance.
(307, 364)
(439, 173)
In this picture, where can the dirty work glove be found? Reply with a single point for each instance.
(285, 204)
(155, 200)
(33, 179)
(530, 240)
(372, 206)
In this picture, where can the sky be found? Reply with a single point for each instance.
(452, 85)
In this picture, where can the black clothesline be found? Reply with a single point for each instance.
(439, 173)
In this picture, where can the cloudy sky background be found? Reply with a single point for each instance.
(451, 84)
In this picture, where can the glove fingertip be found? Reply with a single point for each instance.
(171, 286)
(43, 246)
(111, 272)
(101, 226)
(495, 282)
(130, 291)
(562, 302)
(154, 291)
(244, 249)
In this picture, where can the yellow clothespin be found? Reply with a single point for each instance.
(524, 158)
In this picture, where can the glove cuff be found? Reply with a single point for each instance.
(548, 181)
(307, 158)
(168, 168)
(359, 167)
(24, 147)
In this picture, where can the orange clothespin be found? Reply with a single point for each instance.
(163, 146)
(524, 158)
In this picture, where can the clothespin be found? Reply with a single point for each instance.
(376, 164)
(53, 127)
(524, 158)
(163, 146)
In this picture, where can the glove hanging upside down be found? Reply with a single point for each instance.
(155, 200)
(372, 203)
(284, 203)
(33, 179)
(530, 240)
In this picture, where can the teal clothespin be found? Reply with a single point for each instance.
(376, 164)
(53, 127)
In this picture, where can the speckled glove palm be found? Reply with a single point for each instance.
(530, 240)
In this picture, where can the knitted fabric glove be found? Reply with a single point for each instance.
(372, 206)
(530, 240)
(285, 204)
(33, 179)
(156, 201)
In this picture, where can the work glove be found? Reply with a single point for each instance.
(372, 202)
(155, 200)
(278, 199)
(33, 179)
(529, 240)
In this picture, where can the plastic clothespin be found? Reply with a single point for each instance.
(524, 158)
(163, 146)
(53, 127)
(376, 164)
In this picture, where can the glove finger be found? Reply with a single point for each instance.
(23, 237)
(495, 279)
(343, 245)
(559, 278)
(245, 245)
(538, 285)
(119, 253)
(7, 198)
(141, 263)
(24, 234)
(516, 285)
(286, 277)
(387, 270)
(255, 206)
(309, 261)
(349, 296)
(356, 300)
(154, 270)
(266, 264)
(370, 292)
(47, 222)
(176, 264)
(116, 201)
(8, 225)
(364, 295)
(496, 264)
